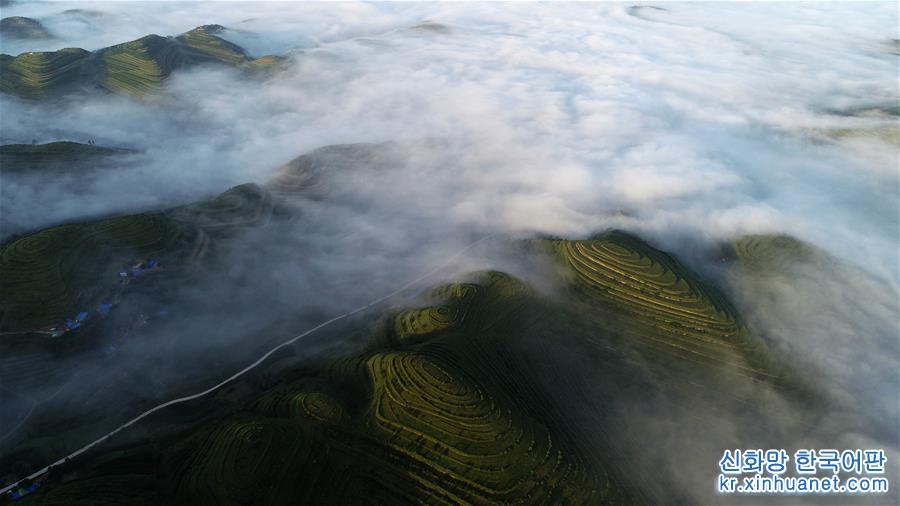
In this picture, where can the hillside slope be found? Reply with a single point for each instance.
(136, 68)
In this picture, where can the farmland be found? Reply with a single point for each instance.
(452, 418)
(441, 403)
(137, 68)
(60, 155)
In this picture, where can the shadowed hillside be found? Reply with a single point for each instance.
(62, 155)
(23, 28)
(480, 391)
(661, 303)
(39, 74)
(60, 270)
(453, 418)
(135, 68)
(444, 405)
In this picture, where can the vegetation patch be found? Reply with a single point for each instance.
(23, 28)
(52, 274)
(38, 74)
(660, 303)
(204, 41)
(136, 68)
(764, 250)
(453, 419)
(56, 155)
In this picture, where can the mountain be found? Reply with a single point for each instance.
(60, 155)
(136, 68)
(19, 27)
(480, 391)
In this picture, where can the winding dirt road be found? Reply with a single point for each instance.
(243, 371)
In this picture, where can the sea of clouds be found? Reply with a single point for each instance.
(688, 123)
(700, 119)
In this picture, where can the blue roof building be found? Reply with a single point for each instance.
(23, 491)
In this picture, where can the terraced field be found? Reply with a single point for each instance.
(409, 325)
(243, 205)
(55, 155)
(886, 133)
(443, 406)
(204, 41)
(49, 275)
(321, 172)
(125, 489)
(23, 28)
(28, 371)
(301, 177)
(766, 250)
(53, 273)
(448, 419)
(317, 173)
(264, 66)
(243, 461)
(435, 426)
(657, 301)
(302, 401)
(471, 446)
(137, 68)
(39, 74)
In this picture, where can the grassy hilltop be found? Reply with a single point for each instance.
(54, 272)
(654, 299)
(23, 28)
(443, 406)
(451, 416)
(64, 155)
(482, 391)
(135, 68)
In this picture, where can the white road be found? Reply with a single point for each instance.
(243, 371)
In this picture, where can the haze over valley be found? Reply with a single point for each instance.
(443, 253)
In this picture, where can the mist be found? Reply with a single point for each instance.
(688, 125)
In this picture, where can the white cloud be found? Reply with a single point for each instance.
(696, 121)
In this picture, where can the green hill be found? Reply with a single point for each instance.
(446, 404)
(452, 419)
(23, 28)
(480, 391)
(56, 155)
(766, 251)
(243, 205)
(139, 67)
(659, 304)
(204, 41)
(318, 174)
(136, 68)
(50, 274)
(39, 74)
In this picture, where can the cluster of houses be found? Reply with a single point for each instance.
(102, 310)
(21, 491)
(127, 274)
(78, 320)
(28, 486)
(137, 270)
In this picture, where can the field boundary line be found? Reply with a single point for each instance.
(245, 370)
